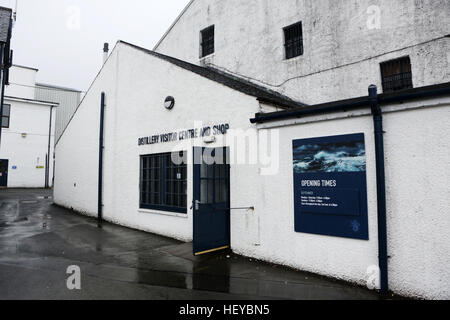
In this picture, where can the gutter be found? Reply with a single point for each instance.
(352, 104)
(33, 101)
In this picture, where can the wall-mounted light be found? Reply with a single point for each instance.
(169, 103)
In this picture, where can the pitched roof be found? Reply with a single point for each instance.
(226, 79)
(5, 18)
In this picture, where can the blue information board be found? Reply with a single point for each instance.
(330, 189)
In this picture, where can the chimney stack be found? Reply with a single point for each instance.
(105, 52)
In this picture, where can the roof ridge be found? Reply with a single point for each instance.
(227, 79)
(243, 79)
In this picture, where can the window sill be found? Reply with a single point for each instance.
(207, 58)
(164, 213)
(293, 58)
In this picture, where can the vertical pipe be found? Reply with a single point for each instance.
(100, 161)
(46, 172)
(2, 95)
(5, 64)
(381, 188)
(47, 159)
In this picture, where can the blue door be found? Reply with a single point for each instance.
(3, 173)
(211, 200)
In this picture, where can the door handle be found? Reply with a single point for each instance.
(195, 204)
(237, 208)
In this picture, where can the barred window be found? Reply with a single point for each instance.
(163, 183)
(396, 75)
(293, 40)
(207, 41)
(6, 115)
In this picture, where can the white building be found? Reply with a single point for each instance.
(31, 126)
(342, 42)
(28, 127)
(299, 186)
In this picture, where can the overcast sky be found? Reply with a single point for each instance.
(64, 38)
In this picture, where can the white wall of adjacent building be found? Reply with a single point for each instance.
(136, 85)
(343, 42)
(418, 202)
(67, 99)
(25, 143)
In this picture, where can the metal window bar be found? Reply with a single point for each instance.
(5, 116)
(207, 41)
(176, 186)
(293, 40)
(396, 75)
(163, 183)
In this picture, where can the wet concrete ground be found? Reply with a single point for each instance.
(38, 241)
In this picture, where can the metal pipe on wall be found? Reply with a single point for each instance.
(5, 64)
(100, 160)
(2, 95)
(47, 158)
(381, 188)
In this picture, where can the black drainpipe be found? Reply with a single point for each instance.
(47, 158)
(381, 188)
(5, 64)
(100, 161)
(2, 86)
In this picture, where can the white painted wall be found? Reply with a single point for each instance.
(136, 85)
(28, 153)
(418, 202)
(22, 81)
(342, 55)
(417, 167)
(31, 118)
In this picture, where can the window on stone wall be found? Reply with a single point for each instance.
(163, 183)
(207, 41)
(6, 115)
(396, 75)
(293, 40)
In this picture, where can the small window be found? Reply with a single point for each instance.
(293, 40)
(396, 75)
(6, 115)
(163, 183)
(207, 41)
